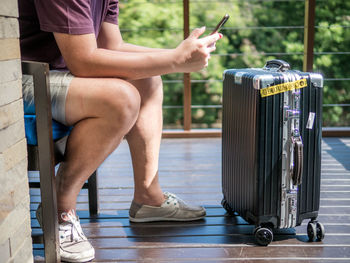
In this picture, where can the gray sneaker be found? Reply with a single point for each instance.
(74, 246)
(173, 209)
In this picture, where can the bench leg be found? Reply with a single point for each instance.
(49, 215)
(93, 194)
(40, 72)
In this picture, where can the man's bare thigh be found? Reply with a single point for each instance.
(91, 97)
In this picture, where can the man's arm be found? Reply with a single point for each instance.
(85, 59)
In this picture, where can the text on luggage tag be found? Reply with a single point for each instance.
(280, 88)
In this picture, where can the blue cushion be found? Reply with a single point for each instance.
(58, 130)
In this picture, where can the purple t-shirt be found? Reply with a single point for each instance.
(39, 18)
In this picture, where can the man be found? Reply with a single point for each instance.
(112, 90)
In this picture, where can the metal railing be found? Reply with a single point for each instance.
(308, 58)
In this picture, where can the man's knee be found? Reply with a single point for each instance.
(155, 90)
(151, 89)
(121, 101)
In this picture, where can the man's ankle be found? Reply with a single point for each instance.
(149, 200)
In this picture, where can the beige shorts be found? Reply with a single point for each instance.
(59, 84)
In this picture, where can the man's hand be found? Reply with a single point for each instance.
(193, 53)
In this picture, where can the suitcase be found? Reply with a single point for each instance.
(271, 148)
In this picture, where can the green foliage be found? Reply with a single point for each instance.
(333, 35)
(256, 32)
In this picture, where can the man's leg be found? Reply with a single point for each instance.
(150, 204)
(144, 142)
(102, 112)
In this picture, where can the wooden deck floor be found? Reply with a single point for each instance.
(191, 168)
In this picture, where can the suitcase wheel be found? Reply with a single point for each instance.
(227, 207)
(263, 235)
(315, 231)
(311, 231)
(320, 232)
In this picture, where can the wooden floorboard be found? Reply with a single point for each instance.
(191, 168)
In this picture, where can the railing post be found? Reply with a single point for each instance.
(187, 76)
(309, 35)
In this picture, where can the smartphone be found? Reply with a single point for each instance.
(220, 24)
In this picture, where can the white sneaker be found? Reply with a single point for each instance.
(172, 209)
(74, 246)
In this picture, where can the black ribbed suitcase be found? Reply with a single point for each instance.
(271, 148)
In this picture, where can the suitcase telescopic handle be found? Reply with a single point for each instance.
(297, 171)
(278, 64)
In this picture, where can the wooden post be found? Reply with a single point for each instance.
(187, 76)
(40, 72)
(309, 35)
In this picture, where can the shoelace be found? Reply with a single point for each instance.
(75, 231)
(171, 198)
(176, 200)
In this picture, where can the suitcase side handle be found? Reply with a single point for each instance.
(297, 170)
(278, 64)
